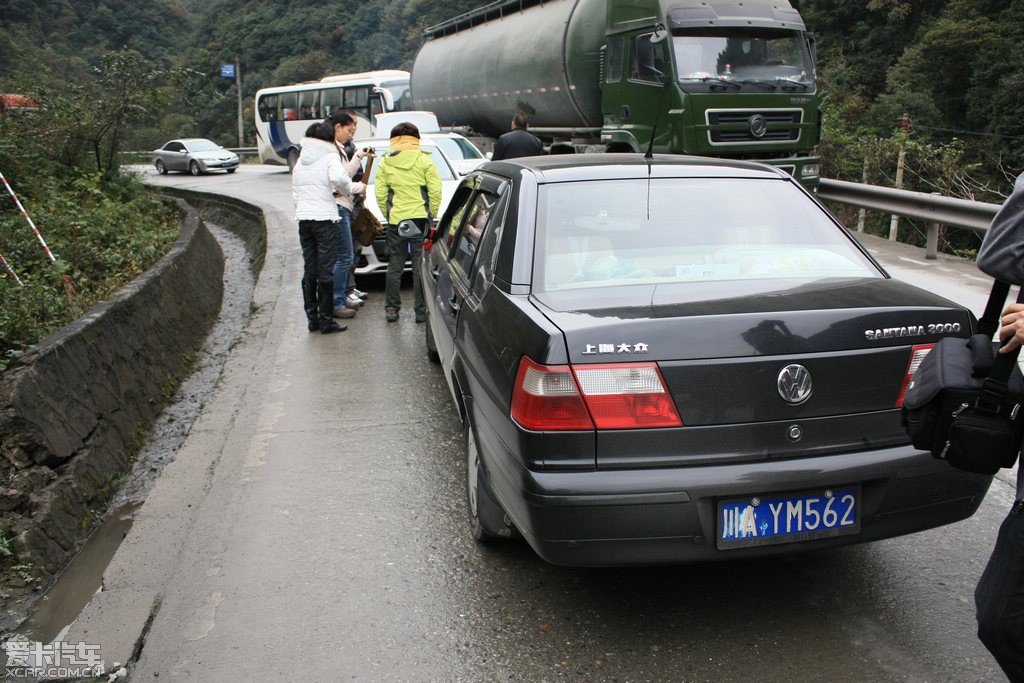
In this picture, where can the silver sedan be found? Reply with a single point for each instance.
(194, 155)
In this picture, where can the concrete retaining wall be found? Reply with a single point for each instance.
(75, 409)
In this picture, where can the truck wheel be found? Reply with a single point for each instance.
(486, 518)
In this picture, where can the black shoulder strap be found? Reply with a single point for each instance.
(989, 323)
(996, 383)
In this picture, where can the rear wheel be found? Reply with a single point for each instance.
(486, 518)
(193, 168)
(432, 353)
(160, 168)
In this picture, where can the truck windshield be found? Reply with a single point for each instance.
(756, 56)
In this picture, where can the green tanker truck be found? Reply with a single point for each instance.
(726, 79)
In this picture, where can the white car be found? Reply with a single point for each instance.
(464, 155)
(194, 155)
(374, 258)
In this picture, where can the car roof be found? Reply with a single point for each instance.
(382, 145)
(564, 167)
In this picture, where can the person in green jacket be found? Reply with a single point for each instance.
(408, 187)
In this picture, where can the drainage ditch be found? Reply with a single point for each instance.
(53, 614)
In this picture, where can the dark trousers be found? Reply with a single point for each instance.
(999, 597)
(319, 250)
(399, 249)
(343, 266)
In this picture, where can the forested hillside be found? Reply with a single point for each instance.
(953, 66)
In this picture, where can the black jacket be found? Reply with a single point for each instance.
(518, 142)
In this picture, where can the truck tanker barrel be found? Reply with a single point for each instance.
(706, 77)
(481, 68)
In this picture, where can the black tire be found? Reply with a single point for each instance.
(193, 168)
(432, 355)
(160, 168)
(293, 158)
(486, 518)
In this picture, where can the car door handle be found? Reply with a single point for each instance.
(434, 272)
(453, 304)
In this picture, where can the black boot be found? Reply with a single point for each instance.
(325, 295)
(309, 304)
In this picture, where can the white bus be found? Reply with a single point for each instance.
(283, 113)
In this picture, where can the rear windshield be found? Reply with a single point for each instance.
(618, 232)
(443, 169)
(457, 148)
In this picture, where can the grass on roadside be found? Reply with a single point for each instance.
(102, 232)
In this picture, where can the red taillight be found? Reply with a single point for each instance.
(607, 396)
(917, 354)
(626, 396)
(546, 397)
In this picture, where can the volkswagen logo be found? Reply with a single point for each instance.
(794, 383)
(758, 126)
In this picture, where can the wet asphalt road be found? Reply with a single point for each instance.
(312, 528)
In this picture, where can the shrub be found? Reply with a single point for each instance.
(102, 230)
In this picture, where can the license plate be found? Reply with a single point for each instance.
(788, 518)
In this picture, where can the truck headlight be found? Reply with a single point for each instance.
(810, 171)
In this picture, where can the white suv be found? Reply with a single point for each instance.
(374, 258)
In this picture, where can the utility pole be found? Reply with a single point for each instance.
(229, 70)
(238, 87)
(894, 222)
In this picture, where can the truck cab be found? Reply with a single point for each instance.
(712, 79)
(715, 78)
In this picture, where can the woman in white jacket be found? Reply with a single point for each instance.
(316, 178)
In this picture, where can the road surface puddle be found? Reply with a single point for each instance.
(79, 581)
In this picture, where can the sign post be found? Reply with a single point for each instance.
(228, 70)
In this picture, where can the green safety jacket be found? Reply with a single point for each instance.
(408, 184)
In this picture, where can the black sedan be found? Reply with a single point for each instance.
(678, 359)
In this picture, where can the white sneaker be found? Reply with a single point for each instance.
(353, 301)
(361, 294)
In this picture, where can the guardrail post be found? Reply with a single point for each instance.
(931, 247)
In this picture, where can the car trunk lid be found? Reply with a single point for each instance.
(729, 359)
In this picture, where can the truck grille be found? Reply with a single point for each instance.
(736, 126)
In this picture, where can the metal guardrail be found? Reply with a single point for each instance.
(935, 209)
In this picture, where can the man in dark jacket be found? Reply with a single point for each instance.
(518, 142)
(999, 596)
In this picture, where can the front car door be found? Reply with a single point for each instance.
(176, 158)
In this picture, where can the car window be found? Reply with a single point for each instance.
(608, 233)
(268, 108)
(648, 59)
(483, 268)
(289, 108)
(457, 209)
(203, 146)
(443, 169)
(478, 217)
(457, 148)
(309, 104)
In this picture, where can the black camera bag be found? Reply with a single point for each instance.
(965, 403)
